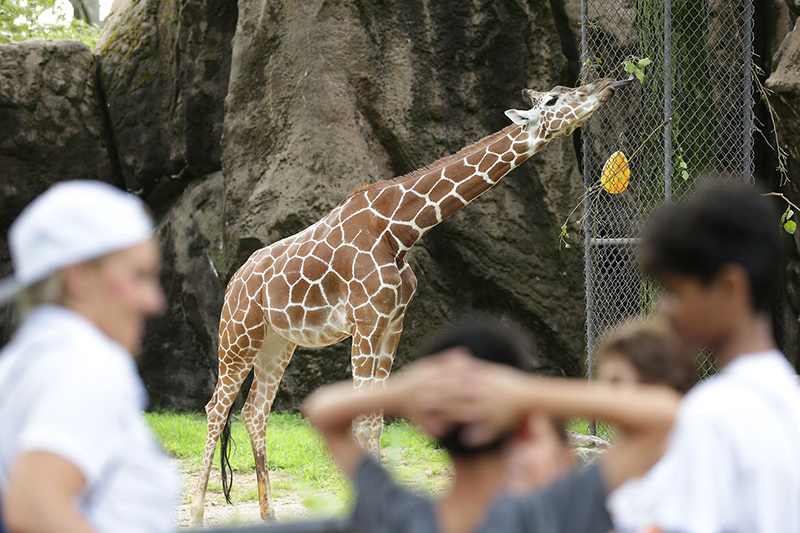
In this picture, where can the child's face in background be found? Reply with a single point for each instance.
(539, 456)
(616, 370)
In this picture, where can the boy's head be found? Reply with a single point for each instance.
(718, 258)
(490, 340)
(645, 352)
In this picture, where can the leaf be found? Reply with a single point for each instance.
(645, 61)
(684, 175)
(790, 226)
(566, 245)
(683, 164)
(639, 76)
(629, 67)
(787, 214)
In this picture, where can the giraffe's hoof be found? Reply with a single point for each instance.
(196, 512)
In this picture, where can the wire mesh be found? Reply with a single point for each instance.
(687, 118)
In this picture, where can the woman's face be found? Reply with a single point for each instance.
(539, 457)
(614, 369)
(119, 292)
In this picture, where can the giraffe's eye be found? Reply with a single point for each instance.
(552, 101)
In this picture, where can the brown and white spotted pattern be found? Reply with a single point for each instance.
(347, 274)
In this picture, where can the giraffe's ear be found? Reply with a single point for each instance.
(521, 118)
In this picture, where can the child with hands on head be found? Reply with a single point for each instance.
(474, 405)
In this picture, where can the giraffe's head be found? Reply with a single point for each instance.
(558, 112)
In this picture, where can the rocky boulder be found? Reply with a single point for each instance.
(179, 361)
(51, 119)
(164, 70)
(785, 82)
(325, 97)
(587, 447)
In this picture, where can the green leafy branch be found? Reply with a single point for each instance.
(26, 19)
(636, 66)
(764, 94)
(789, 225)
(786, 219)
(593, 62)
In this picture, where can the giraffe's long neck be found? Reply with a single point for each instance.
(432, 194)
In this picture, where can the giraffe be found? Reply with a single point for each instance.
(347, 275)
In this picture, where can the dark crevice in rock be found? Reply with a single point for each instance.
(108, 127)
(570, 41)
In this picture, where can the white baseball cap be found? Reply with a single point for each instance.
(72, 222)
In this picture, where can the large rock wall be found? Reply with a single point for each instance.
(51, 121)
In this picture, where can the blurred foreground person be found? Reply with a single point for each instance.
(75, 453)
(474, 405)
(642, 352)
(731, 464)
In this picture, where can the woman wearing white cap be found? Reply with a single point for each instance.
(75, 453)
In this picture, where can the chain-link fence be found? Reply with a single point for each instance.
(687, 117)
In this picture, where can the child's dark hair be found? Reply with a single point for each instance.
(490, 340)
(653, 352)
(724, 223)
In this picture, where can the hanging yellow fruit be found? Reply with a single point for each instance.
(616, 173)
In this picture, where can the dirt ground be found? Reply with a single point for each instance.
(218, 512)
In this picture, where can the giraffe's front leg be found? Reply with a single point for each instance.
(374, 347)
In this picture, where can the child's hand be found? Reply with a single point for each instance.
(430, 391)
(492, 405)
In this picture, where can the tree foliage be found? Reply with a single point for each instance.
(43, 19)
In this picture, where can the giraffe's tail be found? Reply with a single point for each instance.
(224, 457)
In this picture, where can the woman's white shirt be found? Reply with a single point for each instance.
(67, 389)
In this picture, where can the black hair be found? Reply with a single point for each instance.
(724, 223)
(490, 340)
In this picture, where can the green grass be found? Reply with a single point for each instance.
(296, 449)
(293, 446)
(579, 425)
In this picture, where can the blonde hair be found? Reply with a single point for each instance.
(48, 291)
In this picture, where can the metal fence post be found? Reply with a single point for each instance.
(747, 92)
(587, 241)
(668, 100)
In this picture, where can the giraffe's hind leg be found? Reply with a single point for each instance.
(269, 367)
(235, 362)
